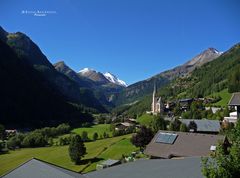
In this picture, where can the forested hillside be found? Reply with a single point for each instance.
(27, 99)
(30, 53)
(215, 76)
(139, 90)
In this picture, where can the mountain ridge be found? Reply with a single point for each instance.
(101, 77)
(28, 51)
(139, 89)
(212, 77)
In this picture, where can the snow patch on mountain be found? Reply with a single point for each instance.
(108, 76)
(85, 70)
(112, 78)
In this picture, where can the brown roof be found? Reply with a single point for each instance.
(186, 144)
(235, 99)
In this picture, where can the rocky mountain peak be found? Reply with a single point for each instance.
(113, 79)
(86, 70)
(204, 57)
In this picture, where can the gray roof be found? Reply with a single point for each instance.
(186, 145)
(39, 169)
(155, 168)
(204, 125)
(235, 99)
(186, 100)
(110, 162)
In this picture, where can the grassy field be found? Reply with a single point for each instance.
(100, 129)
(110, 148)
(225, 98)
(145, 119)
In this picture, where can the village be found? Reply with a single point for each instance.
(120, 89)
(180, 144)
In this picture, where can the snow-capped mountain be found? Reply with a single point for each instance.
(85, 70)
(100, 77)
(112, 78)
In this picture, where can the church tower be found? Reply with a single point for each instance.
(154, 99)
(157, 104)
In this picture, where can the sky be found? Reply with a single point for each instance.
(133, 39)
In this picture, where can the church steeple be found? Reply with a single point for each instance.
(154, 99)
(154, 89)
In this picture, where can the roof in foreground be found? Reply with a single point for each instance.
(204, 125)
(39, 169)
(155, 168)
(110, 162)
(235, 99)
(183, 144)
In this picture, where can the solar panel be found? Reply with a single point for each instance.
(167, 138)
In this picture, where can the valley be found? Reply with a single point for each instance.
(79, 120)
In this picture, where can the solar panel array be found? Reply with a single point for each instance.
(168, 138)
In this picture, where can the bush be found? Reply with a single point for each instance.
(64, 141)
(183, 127)
(84, 136)
(192, 126)
(142, 137)
(175, 125)
(158, 123)
(15, 141)
(34, 139)
(95, 136)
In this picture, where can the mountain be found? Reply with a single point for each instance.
(28, 100)
(94, 81)
(214, 76)
(28, 51)
(140, 89)
(101, 78)
(93, 75)
(112, 78)
(66, 70)
(202, 58)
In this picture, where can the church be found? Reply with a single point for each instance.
(157, 104)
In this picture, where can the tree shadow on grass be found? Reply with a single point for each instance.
(90, 160)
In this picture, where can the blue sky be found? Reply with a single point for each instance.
(133, 39)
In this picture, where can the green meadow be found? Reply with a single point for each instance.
(97, 151)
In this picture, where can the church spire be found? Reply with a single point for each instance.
(154, 99)
(154, 89)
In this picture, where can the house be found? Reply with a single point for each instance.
(10, 132)
(232, 117)
(38, 169)
(123, 126)
(213, 109)
(107, 163)
(131, 120)
(234, 102)
(153, 168)
(204, 125)
(166, 144)
(185, 103)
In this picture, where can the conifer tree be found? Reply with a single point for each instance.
(76, 149)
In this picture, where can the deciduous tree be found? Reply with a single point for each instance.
(142, 137)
